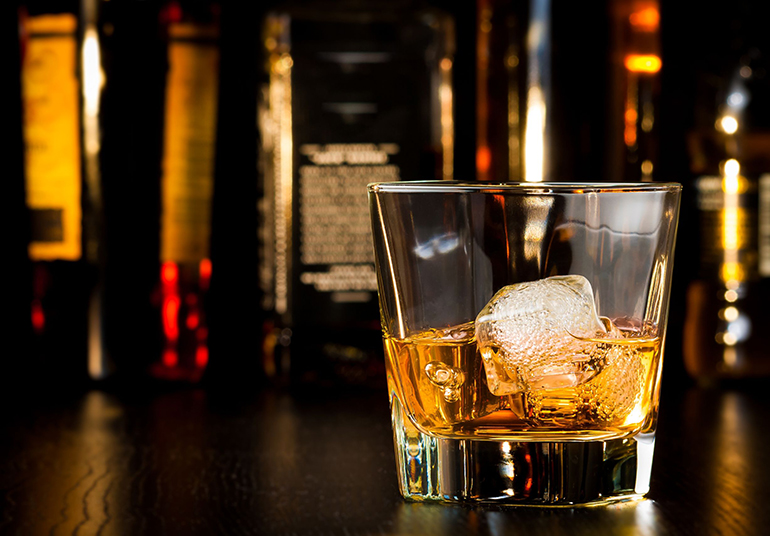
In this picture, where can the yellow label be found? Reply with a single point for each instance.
(52, 137)
(189, 140)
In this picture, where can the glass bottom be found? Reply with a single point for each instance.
(568, 474)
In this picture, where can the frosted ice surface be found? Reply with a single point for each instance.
(531, 335)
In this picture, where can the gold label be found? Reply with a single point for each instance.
(189, 140)
(52, 137)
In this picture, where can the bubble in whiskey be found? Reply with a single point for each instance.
(446, 377)
(451, 394)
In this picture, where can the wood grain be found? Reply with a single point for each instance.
(198, 462)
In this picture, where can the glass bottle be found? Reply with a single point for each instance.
(159, 119)
(355, 92)
(725, 333)
(62, 246)
(567, 91)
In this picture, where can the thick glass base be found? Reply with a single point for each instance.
(579, 473)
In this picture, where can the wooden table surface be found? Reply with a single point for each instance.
(198, 461)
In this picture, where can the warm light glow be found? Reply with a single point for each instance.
(733, 224)
(647, 167)
(204, 271)
(630, 116)
(732, 272)
(648, 116)
(731, 240)
(446, 102)
(98, 366)
(483, 159)
(534, 142)
(193, 319)
(728, 124)
(281, 143)
(731, 296)
(38, 316)
(731, 313)
(731, 184)
(174, 12)
(643, 63)
(93, 78)
(201, 356)
(645, 20)
(169, 273)
(535, 228)
(170, 310)
(729, 339)
(93, 82)
(732, 169)
(170, 358)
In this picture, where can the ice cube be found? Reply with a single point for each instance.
(533, 335)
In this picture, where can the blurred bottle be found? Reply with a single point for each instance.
(131, 39)
(158, 121)
(567, 91)
(233, 299)
(635, 90)
(62, 247)
(356, 92)
(725, 333)
(120, 114)
(13, 211)
(187, 186)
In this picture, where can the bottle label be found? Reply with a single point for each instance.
(349, 102)
(764, 225)
(52, 137)
(189, 142)
(711, 203)
(335, 229)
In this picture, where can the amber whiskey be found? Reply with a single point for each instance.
(447, 386)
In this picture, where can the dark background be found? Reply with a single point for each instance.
(698, 46)
(240, 458)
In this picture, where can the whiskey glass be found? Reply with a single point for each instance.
(523, 326)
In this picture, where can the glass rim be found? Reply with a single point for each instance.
(443, 186)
